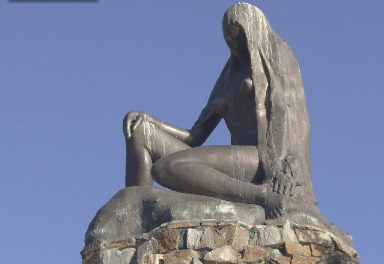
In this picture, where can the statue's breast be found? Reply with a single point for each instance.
(237, 107)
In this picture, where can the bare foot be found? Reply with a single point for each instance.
(275, 203)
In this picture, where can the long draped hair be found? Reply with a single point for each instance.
(280, 106)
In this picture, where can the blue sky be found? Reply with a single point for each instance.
(70, 71)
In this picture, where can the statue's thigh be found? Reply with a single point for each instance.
(157, 142)
(239, 162)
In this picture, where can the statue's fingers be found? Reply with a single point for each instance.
(272, 214)
(126, 130)
(129, 132)
(276, 186)
(131, 117)
(280, 211)
(286, 181)
(131, 125)
(288, 188)
(275, 213)
(267, 214)
(137, 122)
(281, 188)
(285, 191)
(274, 182)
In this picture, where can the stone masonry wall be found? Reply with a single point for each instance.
(209, 242)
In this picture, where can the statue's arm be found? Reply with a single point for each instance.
(196, 136)
(209, 117)
(204, 125)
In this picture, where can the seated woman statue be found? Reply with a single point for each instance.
(261, 97)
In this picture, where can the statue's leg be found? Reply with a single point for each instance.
(224, 172)
(147, 144)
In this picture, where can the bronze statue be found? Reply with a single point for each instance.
(261, 97)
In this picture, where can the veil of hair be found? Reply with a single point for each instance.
(281, 110)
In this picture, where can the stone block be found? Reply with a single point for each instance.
(145, 253)
(313, 237)
(339, 244)
(314, 228)
(127, 254)
(339, 258)
(157, 259)
(269, 236)
(288, 233)
(196, 261)
(293, 249)
(110, 256)
(91, 249)
(125, 243)
(92, 258)
(254, 253)
(184, 224)
(281, 260)
(209, 223)
(232, 235)
(317, 250)
(166, 240)
(180, 257)
(275, 252)
(304, 260)
(200, 238)
(222, 224)
(223, 255)
(274, 222)
(176, 261)
(117, 256)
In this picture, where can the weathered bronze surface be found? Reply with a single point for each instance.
(265, 171)
(261, 97)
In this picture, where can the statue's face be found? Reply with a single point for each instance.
(235, 38)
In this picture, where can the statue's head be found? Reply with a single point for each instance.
(246, 28)
(236, 40)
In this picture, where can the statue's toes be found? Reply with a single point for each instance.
(280, 211)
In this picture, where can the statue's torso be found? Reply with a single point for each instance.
(240, 115)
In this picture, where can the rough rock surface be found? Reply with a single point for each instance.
(140, 209)
(137, 210)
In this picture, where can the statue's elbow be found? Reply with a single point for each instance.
(195, 141)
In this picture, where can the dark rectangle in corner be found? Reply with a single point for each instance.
(53, 1)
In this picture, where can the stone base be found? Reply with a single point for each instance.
(148, 225)
(192, 242)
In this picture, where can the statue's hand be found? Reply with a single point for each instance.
(284, 184)
(131, 121)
